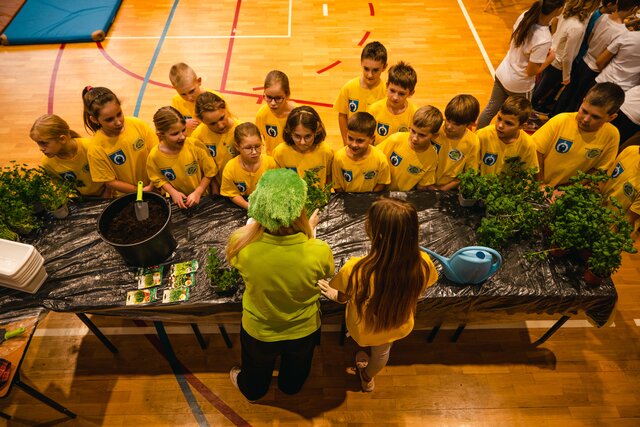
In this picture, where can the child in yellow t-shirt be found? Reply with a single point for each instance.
(65, 154)
(189, 86)
(272, 117)
(216, 132)
(505, 139)
(457, 146)
(120, 145)
(412, 157)
(360, 167)
(624, 184)
(584, 140)
(304, 147)
(358, 93)
(179, 165)
(395, 112)
(243, 172)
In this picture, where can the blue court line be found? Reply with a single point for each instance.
(155, 57)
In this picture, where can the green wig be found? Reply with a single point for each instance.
(278, 199)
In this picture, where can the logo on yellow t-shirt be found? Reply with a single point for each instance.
(347, 175)
(414, 170)
(455, 154)
(212, 150)
(191, 168)
(68, 176)
(139, 144)
(490, 159)
(617, 171)
(293, 168)
(85, 168)
(241, 186)
(370, 174)
(436, 146)
(629, 191)
(563, 146)
(383, 130)
(118, 158)
(403, 129)
(395, 159)
(593, 153)
(272, 130)
(168, 173)
(353, 105)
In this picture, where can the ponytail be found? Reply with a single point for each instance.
(93, 99)
(531, 17)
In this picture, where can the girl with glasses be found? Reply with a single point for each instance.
(272, 116)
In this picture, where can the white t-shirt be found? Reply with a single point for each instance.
(631, 106)
(512, 71)
(604, 33)
(566, 43)
(624, 67)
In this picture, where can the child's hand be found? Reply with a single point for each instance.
(327, 291)
(179, 198)
(193, 199)
(314, 219)
(192, 124)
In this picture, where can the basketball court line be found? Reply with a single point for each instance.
(231, 36)
(476, 37)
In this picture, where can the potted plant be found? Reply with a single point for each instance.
(225, 281)
(471, 186)
(317, 195)
(55, 195)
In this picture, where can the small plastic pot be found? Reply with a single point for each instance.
(592, 279)
(151, 251)
(466, 203)
(62, 212)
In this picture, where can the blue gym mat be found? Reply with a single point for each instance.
(61, 21)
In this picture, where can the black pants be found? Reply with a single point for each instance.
(582, 79)
(258, 362)
(547, 89)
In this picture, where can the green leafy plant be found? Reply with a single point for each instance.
(56, 192)
(473, 185)
(317, 195)
(224, 279)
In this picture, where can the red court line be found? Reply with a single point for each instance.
(227, 61)
(257, 88)
(126, 71)
(364, 38)
(371, 11)
(328, 67)
(211, 397)
(54, 77)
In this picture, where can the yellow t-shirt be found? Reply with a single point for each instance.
(359, 176)
(238, 182)
(455, 156)
(408, 167)
(122, 157)
(184, 170)
(188, 109)
(624, 184)
(271, 127)
(318, 160)
(494, 152)
(357, 329)
(221, 145)
(75, 169)
(567, 149)
(390, 123)
(353, 97)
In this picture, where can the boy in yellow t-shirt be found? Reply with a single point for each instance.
(216, 132)
(584, 140)
(242, 173)
(179, 165)
(304, 148)
(624, 184)
(65, 154)
(358, 93)
(395, 112)
(505, 139)
(457, 146)
(359, 166)
(188, 85)
(412, 156)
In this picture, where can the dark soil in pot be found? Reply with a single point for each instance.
(124, 227)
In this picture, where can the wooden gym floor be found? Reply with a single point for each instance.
(581, 376)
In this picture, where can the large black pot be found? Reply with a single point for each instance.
(151, 251)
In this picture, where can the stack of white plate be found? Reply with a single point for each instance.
(21, 267)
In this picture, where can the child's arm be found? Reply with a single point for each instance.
(331, 293)
(178, 197)
(449, 186)
(122, 187)
(342, 122)
(378, 188)
(194, 198)
(604, 58)
(215, 186)
(240, 201)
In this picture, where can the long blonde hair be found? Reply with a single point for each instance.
(49, 127)
(385, 284)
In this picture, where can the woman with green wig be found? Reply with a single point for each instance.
(280, 262)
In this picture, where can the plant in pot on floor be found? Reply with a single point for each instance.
(225, 281)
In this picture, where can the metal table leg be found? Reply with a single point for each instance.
(458, 332)
(434, 332)
(552, 330)
(93, 328)
(199, 337)
(41, 397)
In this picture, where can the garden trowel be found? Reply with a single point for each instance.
(4, 335)
(141, 207)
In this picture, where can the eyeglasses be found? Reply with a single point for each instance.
(256, 148)
(307, 138)
(276, 99)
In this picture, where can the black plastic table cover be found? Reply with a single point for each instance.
(88, 275)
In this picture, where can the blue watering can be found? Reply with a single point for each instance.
(470, 265)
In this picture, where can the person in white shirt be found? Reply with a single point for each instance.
(620, 62)
(628, 119)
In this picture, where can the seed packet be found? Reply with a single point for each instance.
(183, 281)
(142, 296)
(149, 277)
(175, 295)
(184, 267)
